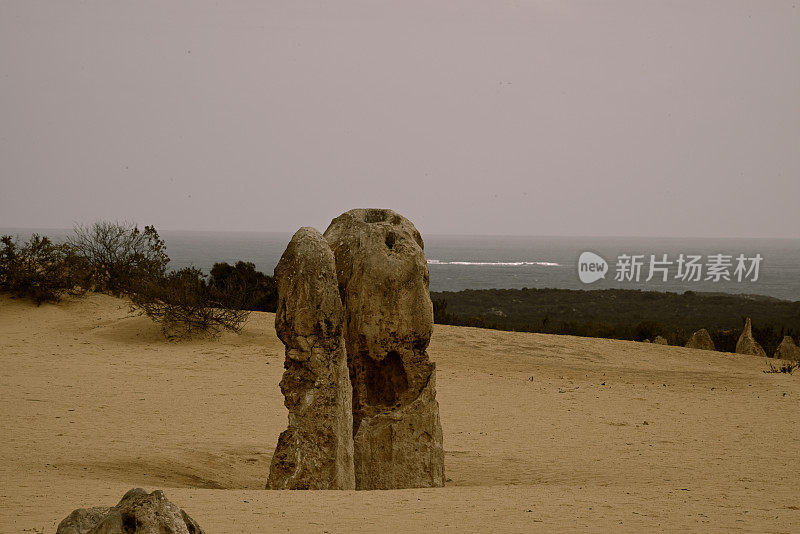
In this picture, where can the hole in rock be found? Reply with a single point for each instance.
(129, 523)
(386, 380)
(374, 216)
(391, 239)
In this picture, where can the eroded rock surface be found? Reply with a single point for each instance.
(138, 512)
(316, 450)
(660, 340)
(747, 343)
(383, 280)
(701, 340)
(788, 350)
(82, 520)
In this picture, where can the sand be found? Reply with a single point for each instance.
(541, 432)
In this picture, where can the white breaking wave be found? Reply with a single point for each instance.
(495, 263)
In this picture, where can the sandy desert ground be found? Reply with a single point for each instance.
(541, 432)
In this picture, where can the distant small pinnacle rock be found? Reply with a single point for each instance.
(788, 350)
(747, 343)
(701, 340)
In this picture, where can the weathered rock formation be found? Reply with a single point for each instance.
(747, 344)
(660, 340)
(316, 450)
(383, 280)
(82, 520)
(788, 350)
(701, 340)
(138, 512)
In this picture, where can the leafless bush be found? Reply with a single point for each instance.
(185, 305)
(782, 367)
(121, 256)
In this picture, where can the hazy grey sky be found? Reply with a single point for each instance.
(494, 117)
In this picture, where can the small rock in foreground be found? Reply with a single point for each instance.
(138, 512)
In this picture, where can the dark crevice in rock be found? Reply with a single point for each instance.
(128, 523)
(386, 380)
(391, 238)
(375, 216)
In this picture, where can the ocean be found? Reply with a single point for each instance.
(459, 262)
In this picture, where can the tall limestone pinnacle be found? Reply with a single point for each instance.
(383, 279)
(316, 451)
(380, 277)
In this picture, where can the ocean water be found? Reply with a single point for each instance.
(460, 262)
(483, 262)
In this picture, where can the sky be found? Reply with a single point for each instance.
(597, 118)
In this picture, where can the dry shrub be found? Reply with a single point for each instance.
(185, 305)
(41, 270)
(121, 256)
(782, 367)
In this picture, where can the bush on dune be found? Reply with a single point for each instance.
(120, 259)
(184, 304)
(120, 255)
(258, 291)
(40, 269)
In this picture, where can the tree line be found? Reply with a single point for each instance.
(628, 314)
